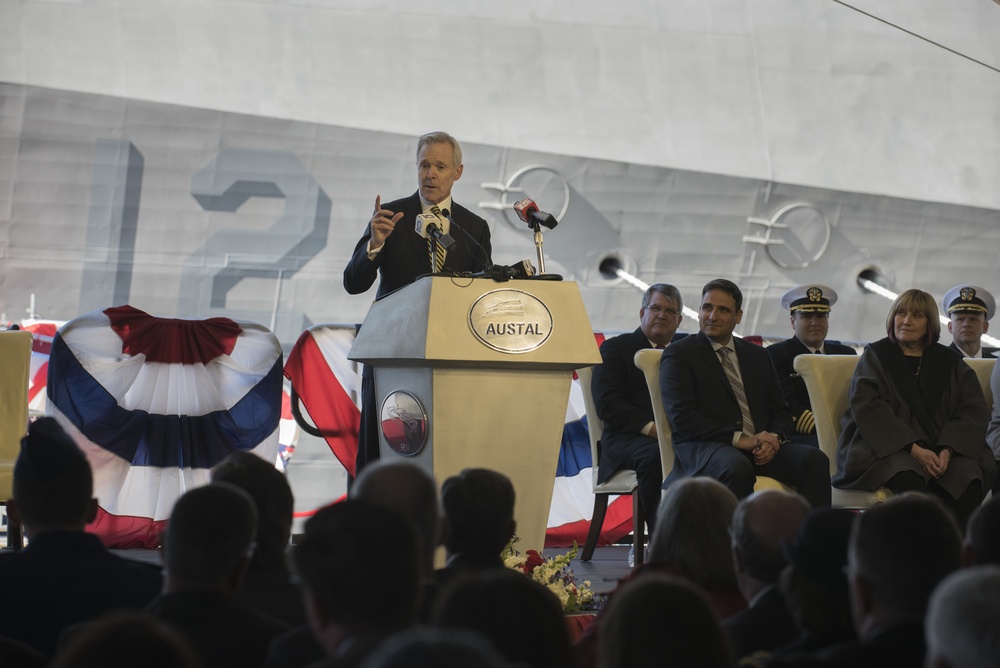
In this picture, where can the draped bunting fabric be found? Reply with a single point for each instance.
(155, 403)
(329, 386)
(42, 333)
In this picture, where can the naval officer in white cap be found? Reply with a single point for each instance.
(809, 313)
(969, 309)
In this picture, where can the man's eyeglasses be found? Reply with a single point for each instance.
(659, 310)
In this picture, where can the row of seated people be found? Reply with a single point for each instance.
(228, 594)
(782, 585)
(917, 418)
(761, 581)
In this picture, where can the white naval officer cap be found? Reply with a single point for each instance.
(810, 298)
(969, 299)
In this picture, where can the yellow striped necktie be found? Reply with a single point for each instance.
(437, 259)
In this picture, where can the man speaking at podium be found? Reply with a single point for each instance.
(395, 248)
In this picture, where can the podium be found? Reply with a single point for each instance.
(476, 373)
(15, 351)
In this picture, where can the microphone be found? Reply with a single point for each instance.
(528, 212)
(525, 208)
(502, 273)
(522, 269)
(455, 226)
(427, 227)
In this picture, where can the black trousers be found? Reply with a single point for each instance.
(802, 467)
(642, 454)
(368, 451)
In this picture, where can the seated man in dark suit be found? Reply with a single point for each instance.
(762, 524)
(622, 398)
(65, 576)
(809, 307)
(729, 419)
(392, 249)
(206, 552)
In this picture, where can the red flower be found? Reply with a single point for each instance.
(533, 559)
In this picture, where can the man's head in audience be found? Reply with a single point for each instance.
(523, 619)
(762, 524)
(982, 535)
(814, 582)
(53, 485)
(358, 564)
(721, 310)
(899, 551)
(427, 647)
(970, 309)
(209, 540)
(809, 309)
(963, 620)
(272, 495)
(661, 313)
(479, 512)
(123, 640)
(659, 620)
(410, 491)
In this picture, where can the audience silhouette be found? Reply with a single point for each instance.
(64, 576)
(207, 549)
(763, 582)
(267, 585)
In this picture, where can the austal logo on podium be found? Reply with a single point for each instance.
(404, 423)
(510, 321)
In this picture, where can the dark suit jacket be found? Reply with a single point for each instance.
(621, 398)
(702, 407)
(986, 352)
(404, 256)
(272, 591)
(793, 388)
(222, 634)
(460, 563)
(763, 627)
(65, 578)
(901, 646)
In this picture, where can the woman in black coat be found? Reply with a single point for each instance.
(917, 417)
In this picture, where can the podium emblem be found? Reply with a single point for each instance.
(403, 421)
(510, 321)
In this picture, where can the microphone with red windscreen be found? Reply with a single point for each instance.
(528, 212)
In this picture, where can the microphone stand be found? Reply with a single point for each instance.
(538, 245)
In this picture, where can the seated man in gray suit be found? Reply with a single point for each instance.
(730, 421)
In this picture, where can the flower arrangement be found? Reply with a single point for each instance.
(556, 575)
